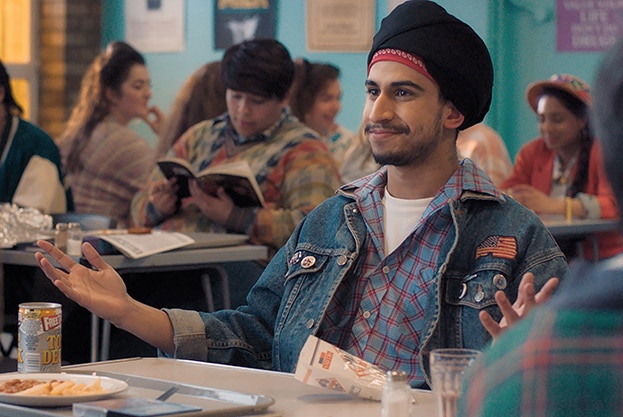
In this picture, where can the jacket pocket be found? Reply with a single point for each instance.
(477, 289)
(305, 262)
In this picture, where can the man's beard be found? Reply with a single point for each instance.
(414, 153)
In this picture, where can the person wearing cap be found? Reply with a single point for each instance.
(398, 263)
(562, 170)
(30, 162)
(294, 170)
(566, 358)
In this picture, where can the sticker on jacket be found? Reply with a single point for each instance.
(498, 246)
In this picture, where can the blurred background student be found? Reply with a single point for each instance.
(485, 147)
(316, 100)
(202, 97)
(106, 161)
(30, 162)
(563, 168)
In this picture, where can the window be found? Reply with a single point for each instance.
(18, 52)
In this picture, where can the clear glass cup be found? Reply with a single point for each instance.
(447, 367)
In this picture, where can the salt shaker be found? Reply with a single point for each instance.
(74, 239)
(60, 236)
(396, 400)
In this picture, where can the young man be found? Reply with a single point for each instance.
(566, 359)
(294, 170)
(396, 264)
(30, 163)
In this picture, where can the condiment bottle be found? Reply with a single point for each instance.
(74, 240)
(60, 236)
(396, 400)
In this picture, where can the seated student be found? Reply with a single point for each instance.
(294, 170)
(565, 359)
(202, 97)
(485, 147)
(106, 161)
(396, 264)
(563, 169)
(30, 162)
(316, 101)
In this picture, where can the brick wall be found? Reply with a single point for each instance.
(69, 39)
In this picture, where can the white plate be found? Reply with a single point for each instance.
(111, 385)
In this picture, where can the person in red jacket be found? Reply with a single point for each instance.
(563, 170)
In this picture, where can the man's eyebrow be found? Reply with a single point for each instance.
(397, 84)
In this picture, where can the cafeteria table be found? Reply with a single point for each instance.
(579, 229)
(287, 397)
(177, 260)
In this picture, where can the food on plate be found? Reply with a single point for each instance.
(53, 387)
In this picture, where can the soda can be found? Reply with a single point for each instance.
(39, 337)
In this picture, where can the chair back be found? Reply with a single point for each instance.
(87, 221)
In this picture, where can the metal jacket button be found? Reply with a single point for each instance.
(308, 262)
(499, 281)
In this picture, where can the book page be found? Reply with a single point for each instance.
(140, 245)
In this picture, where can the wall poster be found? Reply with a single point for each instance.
(340, 25)
(588, 25)
(239, 20)
(155, 25)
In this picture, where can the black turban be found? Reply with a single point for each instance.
(454, 55)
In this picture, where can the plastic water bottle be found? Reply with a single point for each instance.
(396, 400)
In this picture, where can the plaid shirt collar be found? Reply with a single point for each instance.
(466, 182)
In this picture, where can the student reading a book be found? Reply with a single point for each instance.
(294, 170)
(397, 263)
(106, 161)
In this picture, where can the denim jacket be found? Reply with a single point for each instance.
(291, 297)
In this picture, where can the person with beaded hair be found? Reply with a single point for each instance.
(562, 170)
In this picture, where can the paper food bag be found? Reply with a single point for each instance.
(324, 365)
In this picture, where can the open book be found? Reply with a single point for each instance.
(235, 177)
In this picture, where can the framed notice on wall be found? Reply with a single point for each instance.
(588, 25)
(340, 25)
(240, 20)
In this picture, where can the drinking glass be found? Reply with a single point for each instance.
(447, 368)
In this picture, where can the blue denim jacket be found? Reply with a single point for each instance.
(290, 299)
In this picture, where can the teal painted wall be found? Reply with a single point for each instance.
(521, 35)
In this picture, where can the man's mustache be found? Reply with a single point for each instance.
(400, 129)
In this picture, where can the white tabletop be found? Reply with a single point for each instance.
(292, 397)
(172, 260)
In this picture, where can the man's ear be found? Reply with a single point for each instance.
(454, 118)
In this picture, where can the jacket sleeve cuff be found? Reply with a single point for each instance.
(241, 220)
(189, 335)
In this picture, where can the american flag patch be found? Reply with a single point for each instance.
(498, 247)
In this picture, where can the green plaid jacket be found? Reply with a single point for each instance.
(565, 359)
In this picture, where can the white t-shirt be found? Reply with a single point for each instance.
(400, 218)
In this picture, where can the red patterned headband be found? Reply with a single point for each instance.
(402, 57)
